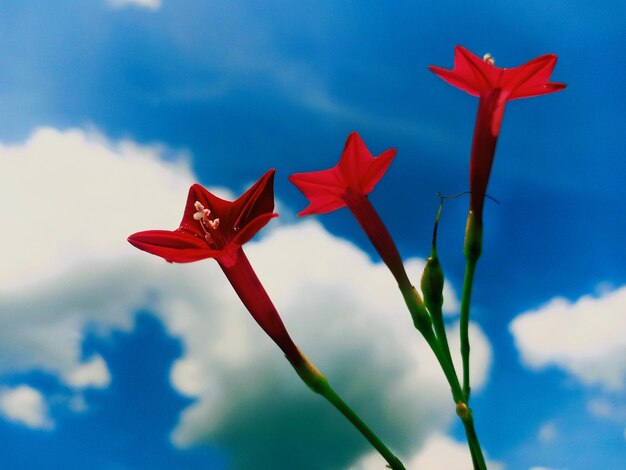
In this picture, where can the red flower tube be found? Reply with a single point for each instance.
(494, 86)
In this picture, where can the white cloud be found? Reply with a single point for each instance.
(585, 338)
(148, 4)
(70, 200)
(68, 268)
(548, 433)
(74, 195)
(439, 452)
(26, 406)
(93, 373)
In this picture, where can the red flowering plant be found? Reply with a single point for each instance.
(214, 228)
(347, 185)
(494, 86)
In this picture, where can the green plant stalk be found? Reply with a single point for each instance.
(447, 366)
(317, 382)
(472, 250)
(420, 316)
(477, 455)
(382, 241)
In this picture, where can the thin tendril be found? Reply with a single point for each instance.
(443, 196)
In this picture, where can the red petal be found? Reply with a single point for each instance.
(354, 161)
(471, 73)
(377, 169)
(475, 70)
(252, 227)
(539, 90)
(258, 200)
(324, 190)
(531, 79)
(176, 247)
(451, 77)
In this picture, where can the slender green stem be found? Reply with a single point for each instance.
(423, 322)
(472, 250)
(468, 280)
(477, 455)
(393, 461)
(316, 381)
(442, 353)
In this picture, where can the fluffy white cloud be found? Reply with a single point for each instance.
(585, 338)
(439, 452)
(26, 406)
(70, 199)
(148, 4)
(93, 373)
(70, 269)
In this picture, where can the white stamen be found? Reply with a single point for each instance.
(202, 214)
(203, 217)
(489, 59)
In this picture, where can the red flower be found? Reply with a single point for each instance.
(348, 184)
(357, 172)
(215, 228)
(494, 86)
(212, 227)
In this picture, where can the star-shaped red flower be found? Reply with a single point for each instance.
(347, 185)
(494, 86)
(356, 173)
(215, 228)
(212, 227)
(477, 76)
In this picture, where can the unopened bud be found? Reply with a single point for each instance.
(432, 284)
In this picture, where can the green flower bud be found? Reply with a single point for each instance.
(432, 284)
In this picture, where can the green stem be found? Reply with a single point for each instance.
(472, 439)
(468, 280)
(438, 344)
(317, 382)
(423, 322)
(336, 400)
(472, 250)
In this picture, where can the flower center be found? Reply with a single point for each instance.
(209, 226)
(488, 58)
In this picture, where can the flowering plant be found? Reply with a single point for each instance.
(214, 228)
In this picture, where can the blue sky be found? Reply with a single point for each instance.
(112, 359)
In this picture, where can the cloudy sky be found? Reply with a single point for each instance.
(113, 359)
